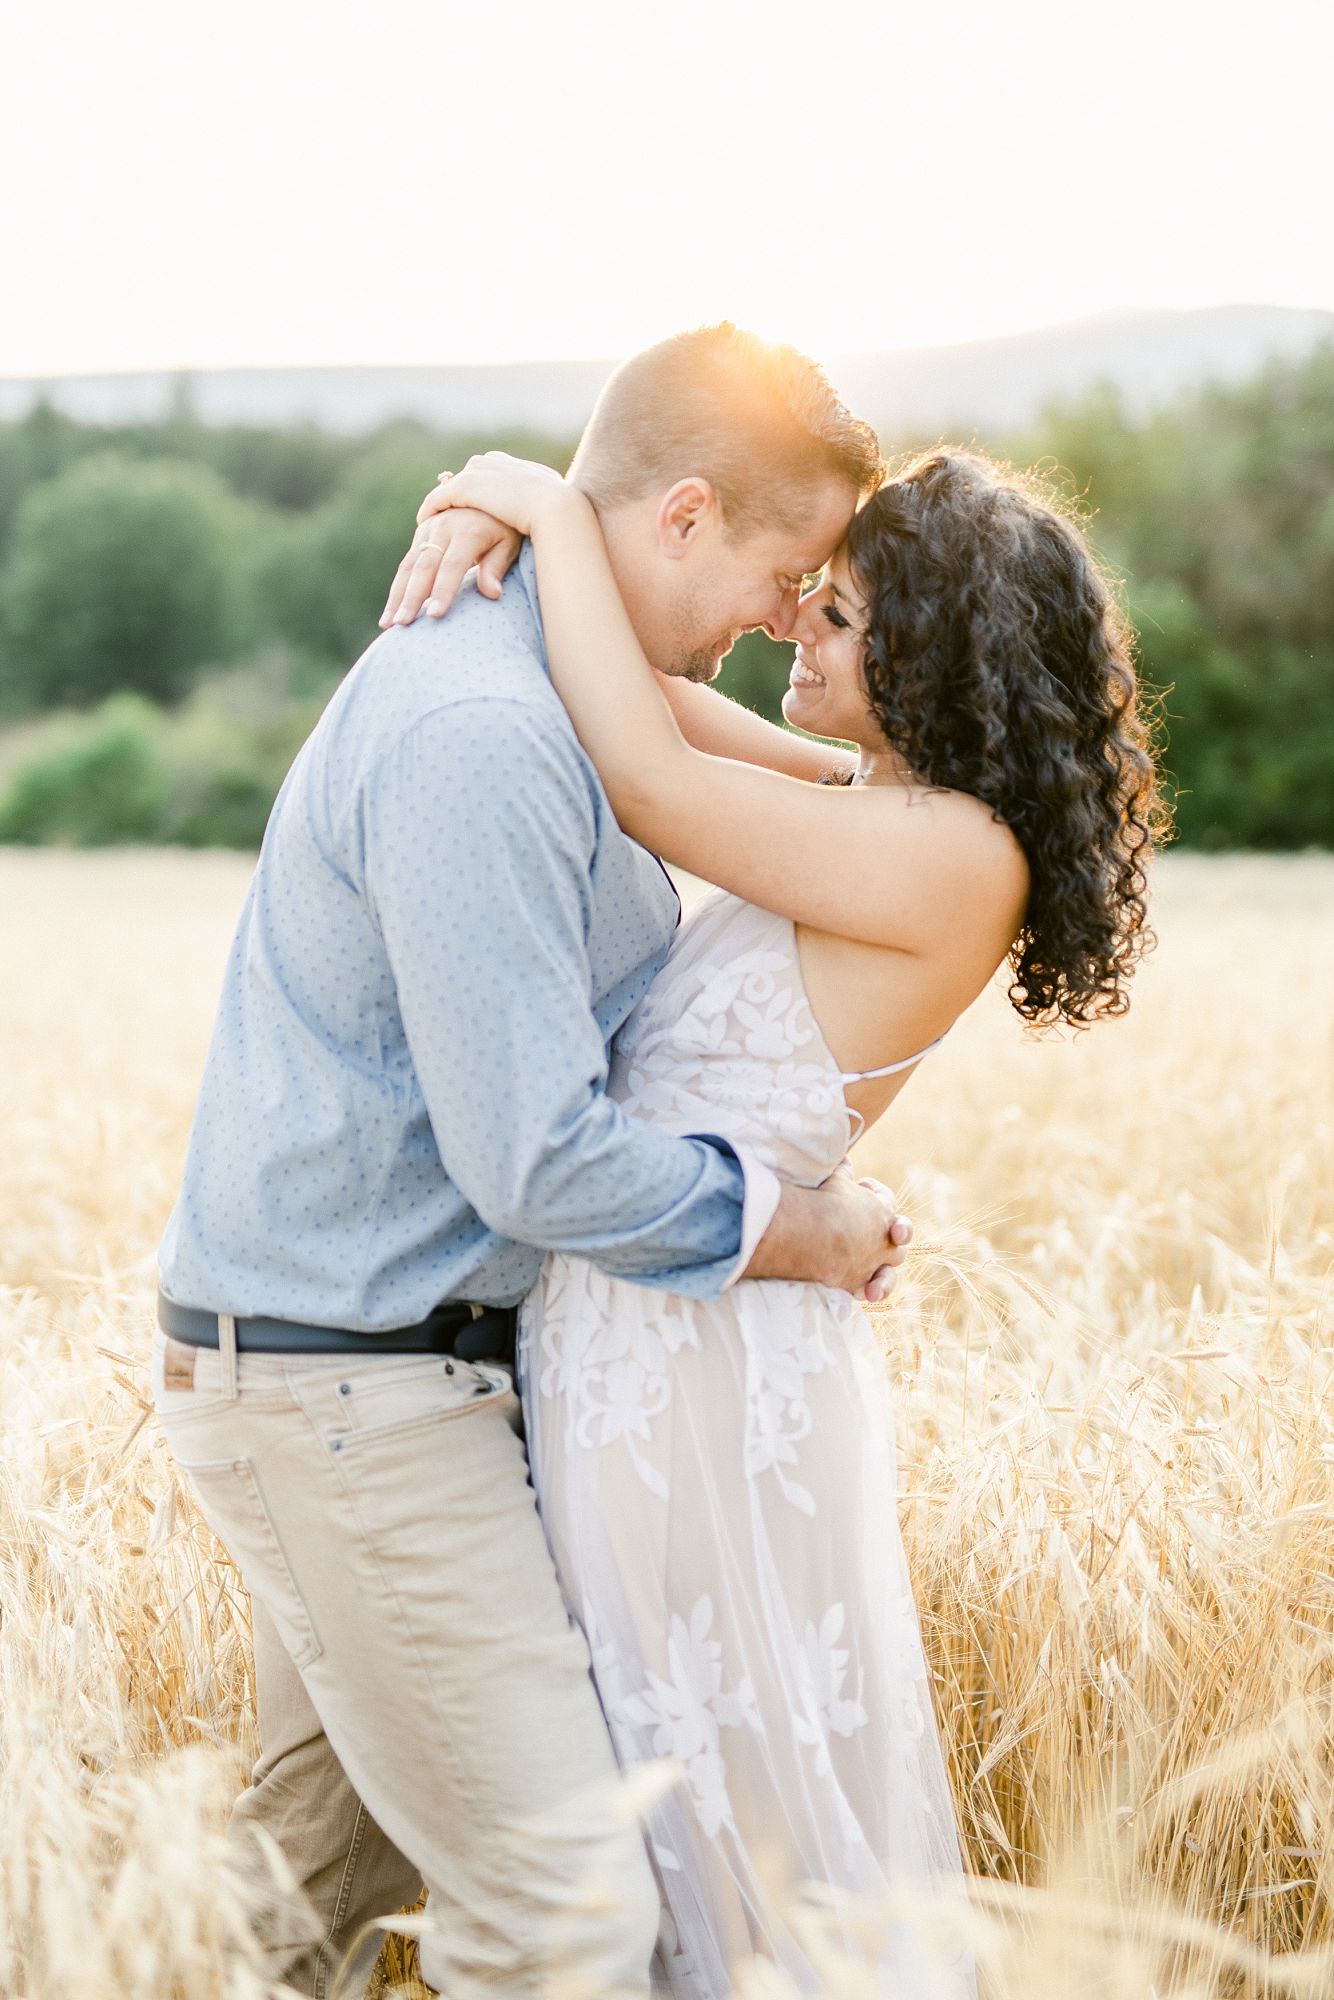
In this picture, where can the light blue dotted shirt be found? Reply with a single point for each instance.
(403, 1099)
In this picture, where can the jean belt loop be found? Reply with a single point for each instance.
(227, 1353)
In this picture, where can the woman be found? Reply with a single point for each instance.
(717, 1479)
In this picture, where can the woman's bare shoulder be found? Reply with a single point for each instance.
(977, 854)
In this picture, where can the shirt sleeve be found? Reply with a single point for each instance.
(480, 833)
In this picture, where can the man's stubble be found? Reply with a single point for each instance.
(690, 659)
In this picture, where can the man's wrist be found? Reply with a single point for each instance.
(762, 1193)
(807, 1239)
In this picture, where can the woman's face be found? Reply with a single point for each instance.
(826, 693)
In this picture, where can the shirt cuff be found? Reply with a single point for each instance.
(763, 1191)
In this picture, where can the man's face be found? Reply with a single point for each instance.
(749, 583)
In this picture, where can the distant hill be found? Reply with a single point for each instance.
(1151, 357)
(988, 385)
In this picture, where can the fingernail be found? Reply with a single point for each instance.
(402, 618)
(433, 607)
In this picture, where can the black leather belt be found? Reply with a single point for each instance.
(472, 1332)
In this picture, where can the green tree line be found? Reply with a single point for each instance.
(177, 600)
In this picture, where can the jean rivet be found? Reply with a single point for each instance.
(345, 1388)
(336, 1445)
(449, 1368)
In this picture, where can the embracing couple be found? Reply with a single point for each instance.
(469, 1059)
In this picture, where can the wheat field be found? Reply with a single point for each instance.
(1112, 1357)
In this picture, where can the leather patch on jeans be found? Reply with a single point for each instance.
(178, 1365)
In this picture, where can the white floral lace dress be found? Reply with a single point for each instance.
(717, 1481)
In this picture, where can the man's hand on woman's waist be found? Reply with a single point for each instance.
(847, 1233)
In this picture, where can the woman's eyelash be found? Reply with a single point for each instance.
(836, 618)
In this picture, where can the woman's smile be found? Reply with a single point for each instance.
(804, 675)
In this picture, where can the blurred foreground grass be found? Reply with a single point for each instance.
(1112, 1360)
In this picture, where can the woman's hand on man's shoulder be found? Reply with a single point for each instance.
(478, 519)
(442, 551)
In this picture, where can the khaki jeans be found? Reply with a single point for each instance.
(425, 1706)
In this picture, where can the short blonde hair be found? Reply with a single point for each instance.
(759, 422)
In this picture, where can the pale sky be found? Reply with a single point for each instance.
(275, 182)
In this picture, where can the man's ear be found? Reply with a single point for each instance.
(686, 512)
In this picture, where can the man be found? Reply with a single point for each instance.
(403, 1109)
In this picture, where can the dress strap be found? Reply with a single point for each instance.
(890, 1069)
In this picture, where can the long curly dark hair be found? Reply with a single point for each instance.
(999, 663)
